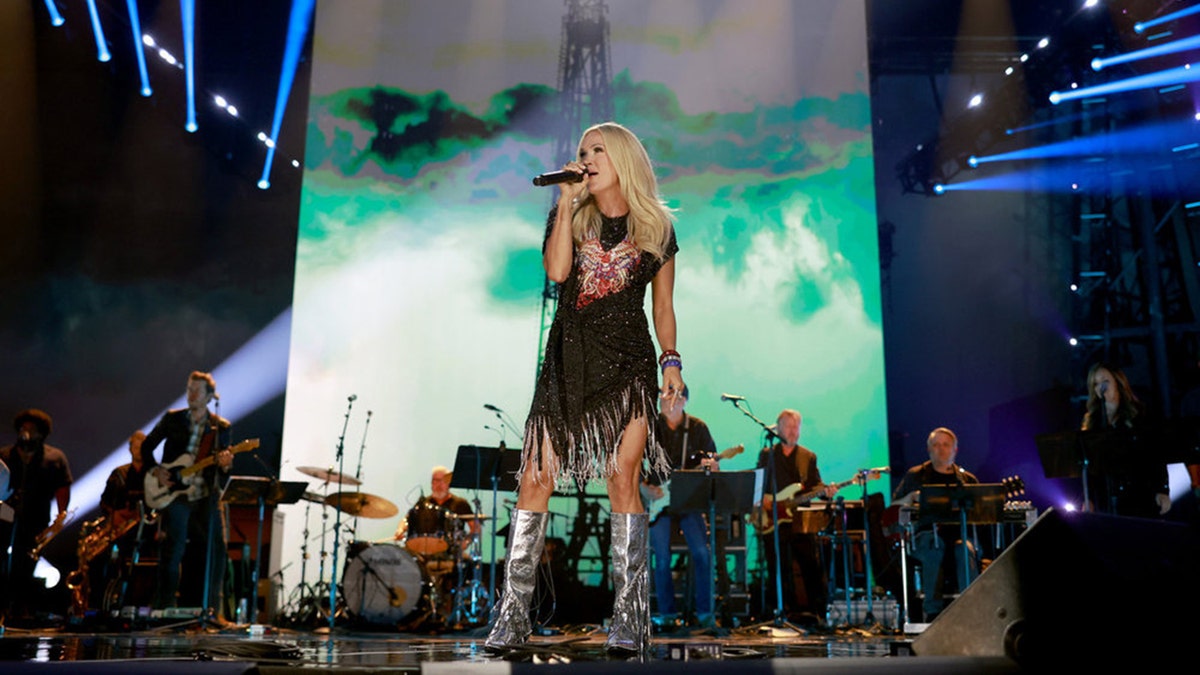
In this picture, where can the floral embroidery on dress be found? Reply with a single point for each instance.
(602, 272)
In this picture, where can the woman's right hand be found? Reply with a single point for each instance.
(571, 192)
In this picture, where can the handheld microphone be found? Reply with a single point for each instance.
(556, 177)
(732, 397)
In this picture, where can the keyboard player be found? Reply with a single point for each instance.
(936, 548)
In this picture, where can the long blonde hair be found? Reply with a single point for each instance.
(649, 218)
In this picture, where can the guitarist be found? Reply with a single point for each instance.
(193, 517)
(936, 548)
(688, 445)
(785, 463)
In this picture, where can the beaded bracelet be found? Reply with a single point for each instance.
(668, 354)
(669, 363)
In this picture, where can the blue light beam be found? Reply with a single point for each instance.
(1141, 26)
(1183, 45)
(298, 27)
(187, 9)
(102, 53)
(1151, 138)
(55, 18)
(135, 24)
(1180, 75)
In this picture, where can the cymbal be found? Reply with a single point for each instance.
(362, 504)
(328, 475)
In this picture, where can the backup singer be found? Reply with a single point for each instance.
(40, 475)
(607, 238)
(937, 548)
(1140, 486)
(689, 445)
(193, 515)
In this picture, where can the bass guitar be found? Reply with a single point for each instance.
(654, 507)
(765, 520)
(184, 477)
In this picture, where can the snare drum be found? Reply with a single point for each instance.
(429, 529)
(382, 584)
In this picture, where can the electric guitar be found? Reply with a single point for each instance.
(794, 495)
(184, 477)
(654, 507)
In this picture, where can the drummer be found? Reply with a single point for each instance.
(440, 497)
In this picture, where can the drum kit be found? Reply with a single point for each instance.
(388, 584)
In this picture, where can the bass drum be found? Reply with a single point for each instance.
(382, 584)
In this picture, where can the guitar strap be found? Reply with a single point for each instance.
(684, 446)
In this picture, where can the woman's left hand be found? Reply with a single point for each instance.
(672, 384)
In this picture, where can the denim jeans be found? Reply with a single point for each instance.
(695, 533)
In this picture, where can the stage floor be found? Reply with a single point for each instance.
(377, 651)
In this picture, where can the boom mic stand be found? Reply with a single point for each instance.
(337, 520)
(780, 620)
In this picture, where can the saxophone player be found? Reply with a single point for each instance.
(40, 474)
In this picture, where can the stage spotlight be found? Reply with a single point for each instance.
(148, 40)
(1090, 4)
(296, 163)
(232, 110)
(1141, 26)
(167, 56)
(102, 53)
(1024, 58)
(1186, 44)
(139, 48)
(187, 11)
(1162, 78)
(1008, 70)
(1073, 342)
(975, 101)
(220, 101)
(55, 18)
(1068, 507)
(1043, 43)
(1074, 288)
(299, 25)
(973, 161)
(939, 189)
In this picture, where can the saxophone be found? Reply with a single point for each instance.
(47, 535)
(96, 537)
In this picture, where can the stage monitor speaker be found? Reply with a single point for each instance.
(1077, 585)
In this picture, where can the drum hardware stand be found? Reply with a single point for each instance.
(337, 523)
(780, 621)
(469, 596)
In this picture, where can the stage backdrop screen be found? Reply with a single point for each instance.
(419, 286)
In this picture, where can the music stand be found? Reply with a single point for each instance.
(712, 492)
(976, 504)
(483, 468)
(260, 491)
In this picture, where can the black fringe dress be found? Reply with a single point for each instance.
(600, 369)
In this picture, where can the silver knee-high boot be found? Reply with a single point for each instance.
(629, 632)
(510, 618)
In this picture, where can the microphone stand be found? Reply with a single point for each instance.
(779, 621)
(337, 520)
(358, 470)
